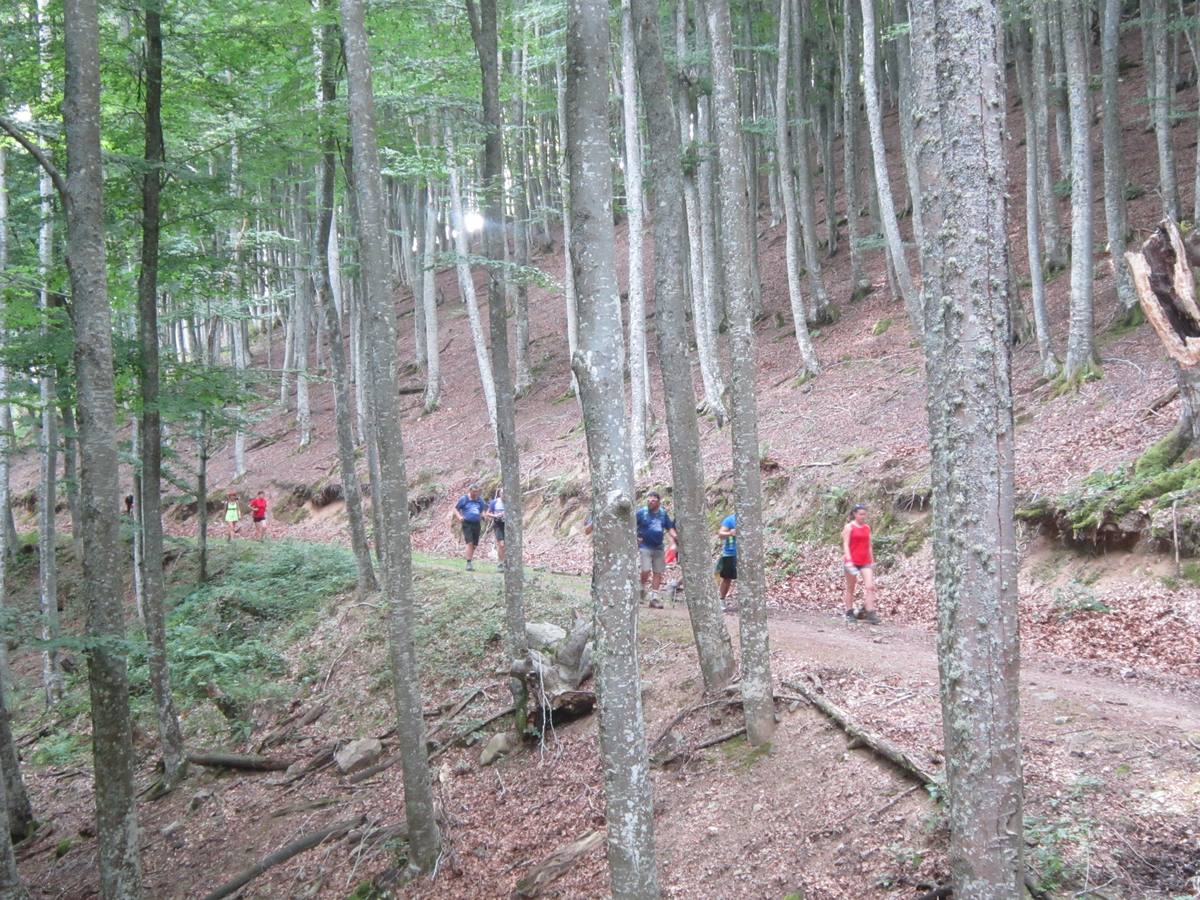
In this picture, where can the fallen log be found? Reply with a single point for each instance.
(458, 707)
(283, 854)
(290, 726)
(556, 864)
(239, 761)
(881, 746)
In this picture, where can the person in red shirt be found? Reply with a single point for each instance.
(859, 563)
(258, 512)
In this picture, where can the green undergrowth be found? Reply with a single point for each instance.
(231, 633)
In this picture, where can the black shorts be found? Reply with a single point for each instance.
(471, 532)
(498, 528)
(727, 567)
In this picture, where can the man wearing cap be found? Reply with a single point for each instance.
(469, 511)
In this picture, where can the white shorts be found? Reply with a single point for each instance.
(852, 569)
(653, 559)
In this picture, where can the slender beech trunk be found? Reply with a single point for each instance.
(851, 61)
(564, 179)
(15, 802)
(420, 338)
(664, 153)
(908, 150)
(787, 185)
(327, 46)
(70, 477)
(1115, 211)
(150, 431)
(484, 31)
(1081, 355)
(301, 313)
(883, 186)
(959, 77)
(639, 396)
(818, 307)
(629, 805)
(1059, 87)
(423, 833)
(433, 365)
(466, 285)
(52, 677)
(112, 743)
(1164, 89)
(1055, 249)
(757, 690)
(1033, 186)
(520, 231)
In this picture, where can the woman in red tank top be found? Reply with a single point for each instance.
(858, 562)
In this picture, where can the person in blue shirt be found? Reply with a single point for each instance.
(653, 525)
(727, 563)
(495, 514)
(469, 511)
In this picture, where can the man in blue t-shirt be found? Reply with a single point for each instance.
(469, 510)
(653, 525)
(727, 563)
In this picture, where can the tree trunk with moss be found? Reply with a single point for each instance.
(960, 86)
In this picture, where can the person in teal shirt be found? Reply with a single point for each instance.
(727, 563)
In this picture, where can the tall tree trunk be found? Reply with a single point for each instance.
(1033, 189)
(851, 60)
(202, 496)
(664, 154)
(517, 156)
(70, 434)
(1115, 212)
(598, 367)
(423, 833)
(908, 150)
(112, 742)
(1164, 89)
(484, 32)
(15, 800)
(883, 186)
(150, 512)
(787, 185)
(420, 337)
(757, 690)
(706, 346)
(301, 313)
(564, 178)
(466, 285)
(639, 390)
(1059, 88)
(818, 307)
(1055, 255)
(328, 49)
(433, 365)
(1080, 338)
(52, 677)
(960, 85)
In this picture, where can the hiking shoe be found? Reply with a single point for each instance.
(500, 567)
(871, 618)
(470, 567)
(850, 616)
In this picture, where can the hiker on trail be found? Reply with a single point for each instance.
(129, 505)
(653, 524)
(495, 514)
(727, 562)
(858, 562)
(258, 513)
(233, 515)
(469, 510)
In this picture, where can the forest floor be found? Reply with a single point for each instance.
(1112, 790)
